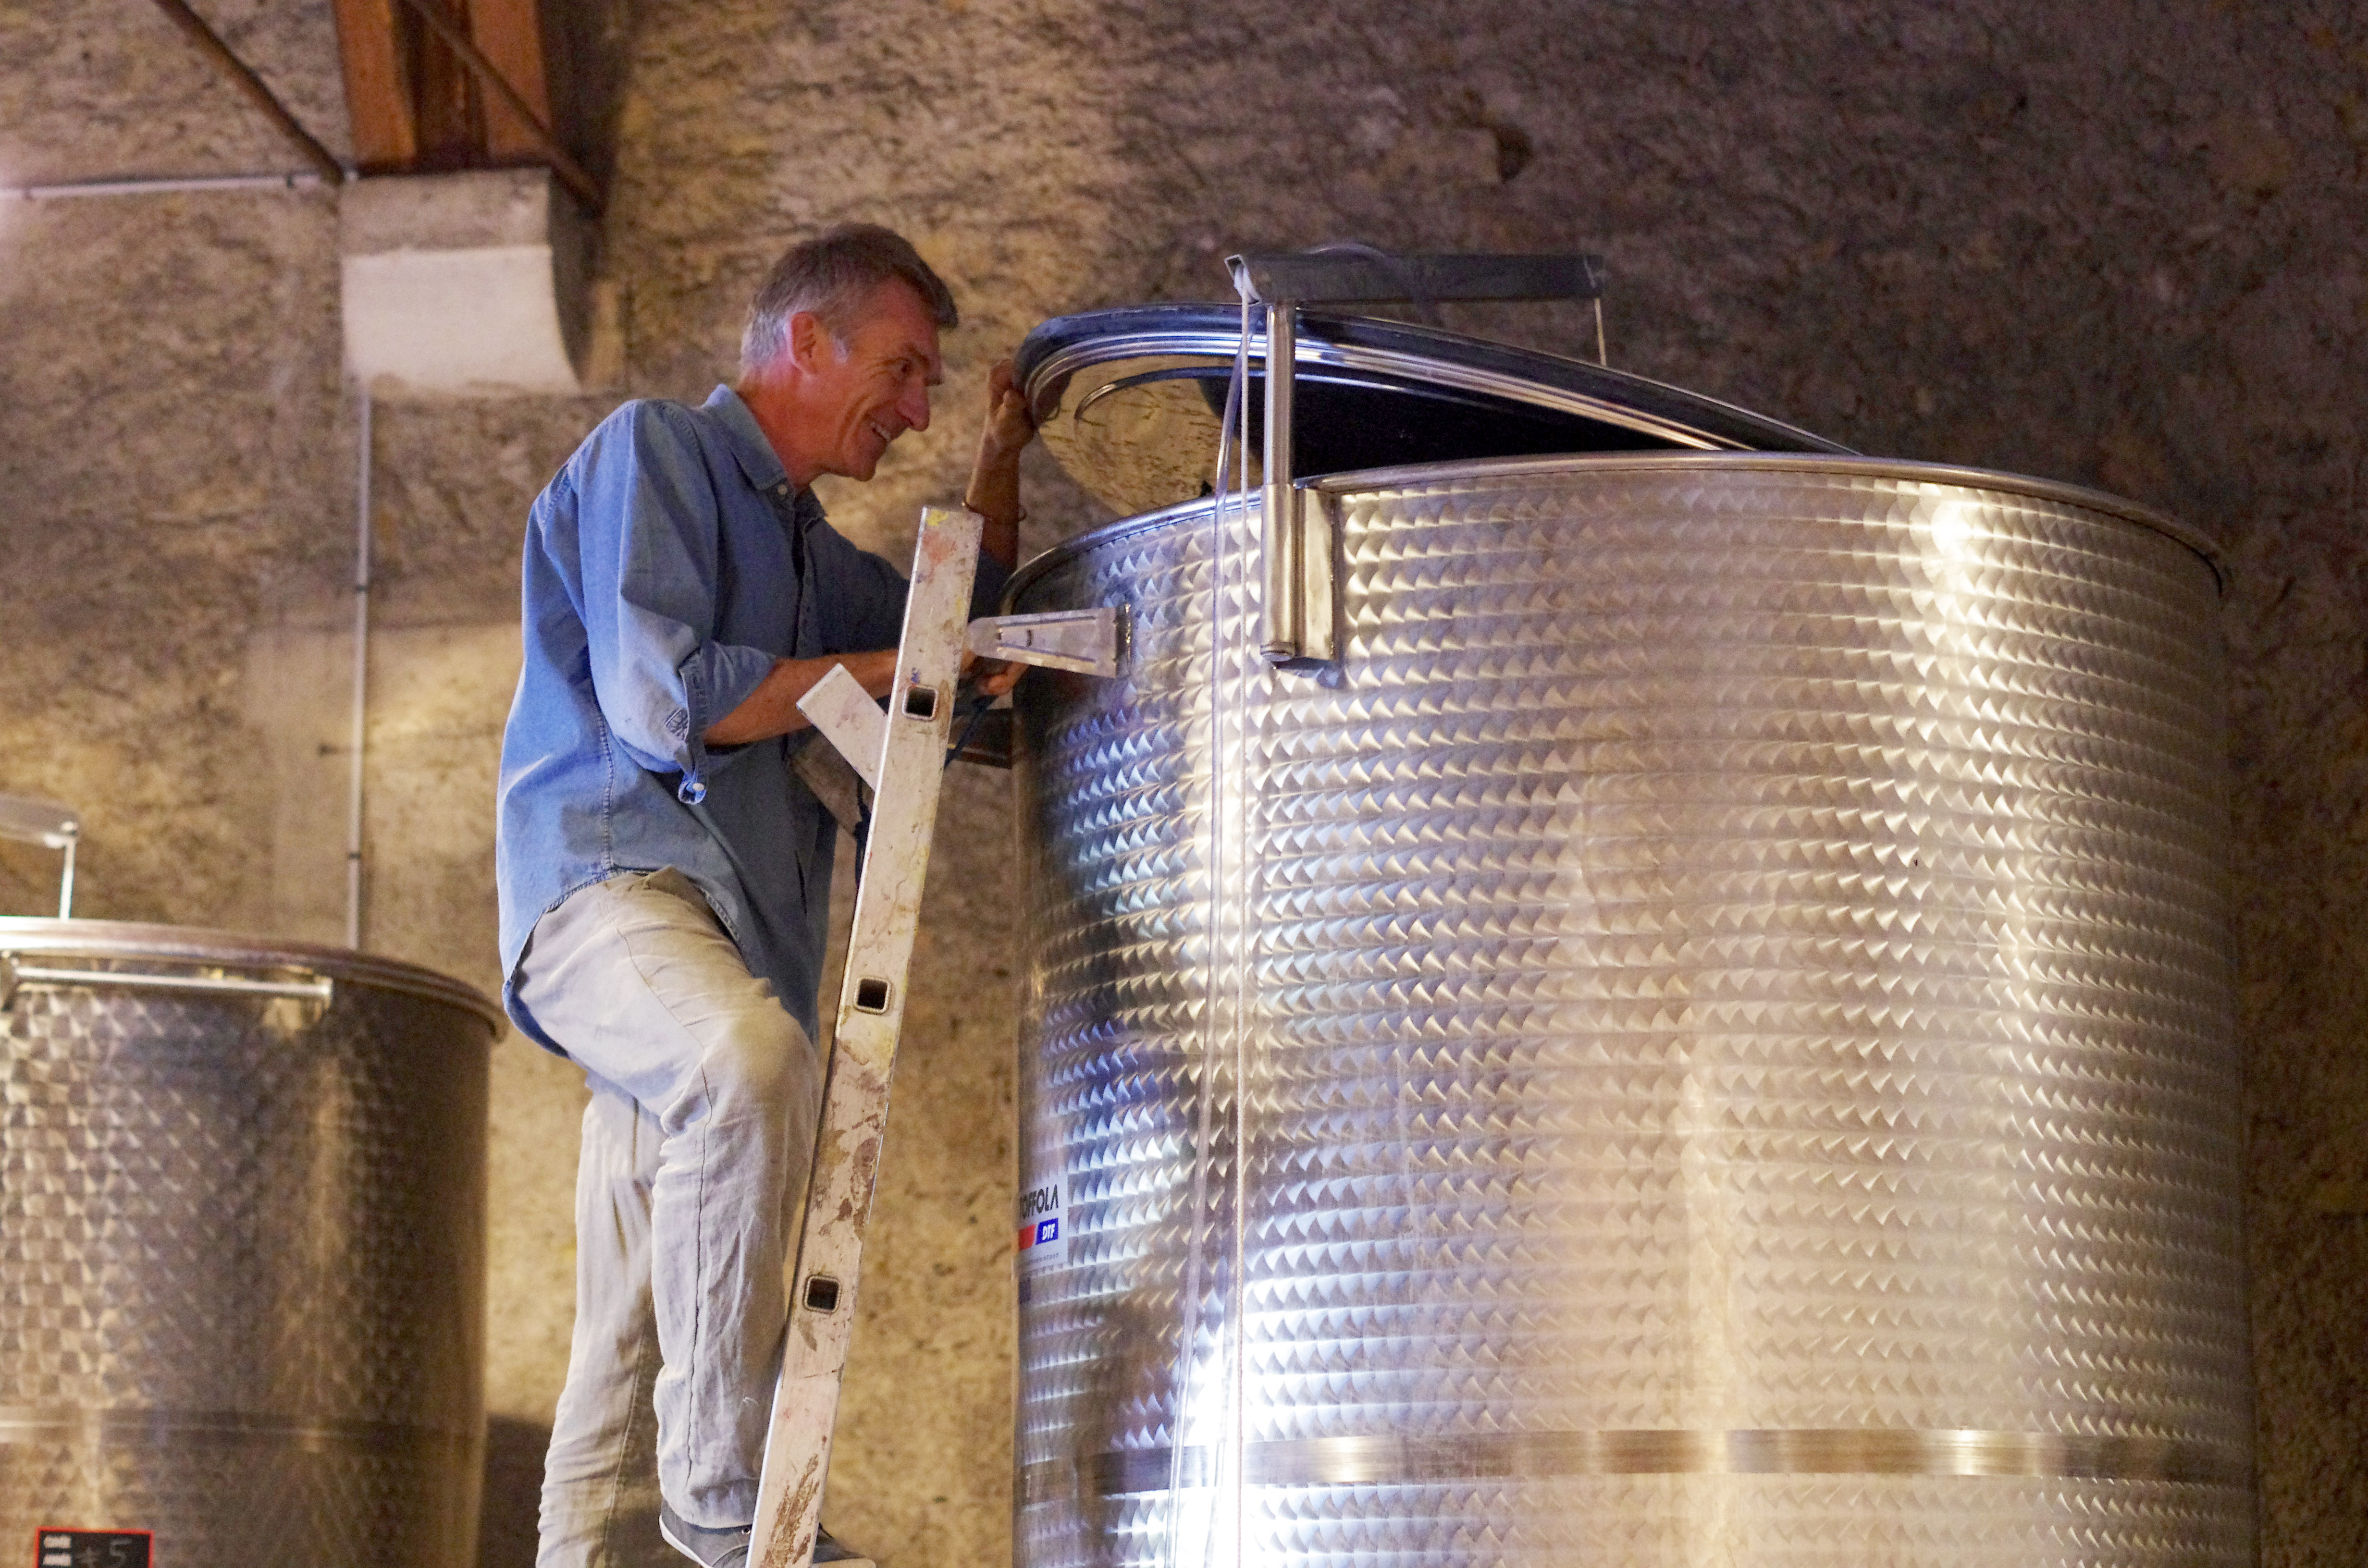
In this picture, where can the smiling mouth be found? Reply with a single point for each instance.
(882, 431)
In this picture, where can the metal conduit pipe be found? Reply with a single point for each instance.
(361, 672)
(162, 184)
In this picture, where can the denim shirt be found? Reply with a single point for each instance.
(667, 567)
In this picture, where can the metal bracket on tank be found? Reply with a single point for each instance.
(845, 774)
(1295, 543)
(1084, 642)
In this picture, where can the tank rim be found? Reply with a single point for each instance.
(1414, 475)
(52, 937)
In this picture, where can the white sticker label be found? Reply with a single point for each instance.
(1043, 1236)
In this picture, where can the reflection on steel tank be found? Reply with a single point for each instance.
(241, 1255)
(1704, 1038)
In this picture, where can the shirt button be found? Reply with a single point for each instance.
(691, 792)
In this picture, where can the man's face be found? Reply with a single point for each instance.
(879, 388)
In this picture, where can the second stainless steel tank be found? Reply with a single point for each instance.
(242, 1251)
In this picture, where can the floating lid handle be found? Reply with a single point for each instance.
(1294, 540)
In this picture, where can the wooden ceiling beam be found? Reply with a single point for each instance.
(451, 85)
(374, 39)
(494, 85)
(508, 33)
(443, 97)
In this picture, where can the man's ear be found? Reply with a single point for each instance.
(806, 338)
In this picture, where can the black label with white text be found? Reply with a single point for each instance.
(56, 1548)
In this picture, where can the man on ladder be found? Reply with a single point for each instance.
(664, 870)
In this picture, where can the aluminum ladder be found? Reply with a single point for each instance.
(900, 755)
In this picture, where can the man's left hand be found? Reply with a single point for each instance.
(993, 492)
(1010, 424)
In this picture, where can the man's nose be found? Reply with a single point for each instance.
(913, 406)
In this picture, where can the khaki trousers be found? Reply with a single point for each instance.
(705, 1098)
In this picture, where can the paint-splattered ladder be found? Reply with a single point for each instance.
(900, 754)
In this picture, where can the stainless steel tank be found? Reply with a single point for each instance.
(242, 1270)
(1706, 1041)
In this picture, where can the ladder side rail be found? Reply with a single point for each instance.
(910, 773)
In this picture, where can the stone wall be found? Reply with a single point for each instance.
(2117, 243)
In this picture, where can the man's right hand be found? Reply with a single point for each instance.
(993, 677)
(773, 708)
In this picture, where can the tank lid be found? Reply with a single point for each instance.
(1128, 400)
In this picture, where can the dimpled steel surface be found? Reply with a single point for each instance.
(1732, 1006)
(241, 1254)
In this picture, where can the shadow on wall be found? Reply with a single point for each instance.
(505, 1525)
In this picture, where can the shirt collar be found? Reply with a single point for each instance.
(755, 454)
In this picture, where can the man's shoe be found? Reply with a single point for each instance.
(729, 1548)
(713, 1548)
(828, 1549)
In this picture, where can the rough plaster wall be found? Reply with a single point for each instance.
(2111, 241)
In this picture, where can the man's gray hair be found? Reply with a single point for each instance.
(831, 275)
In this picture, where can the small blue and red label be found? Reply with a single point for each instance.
(1042, 1239)
(56, 1548)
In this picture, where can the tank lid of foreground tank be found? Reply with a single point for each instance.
(1128, 400)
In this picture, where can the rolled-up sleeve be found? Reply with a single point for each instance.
(650, 549)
